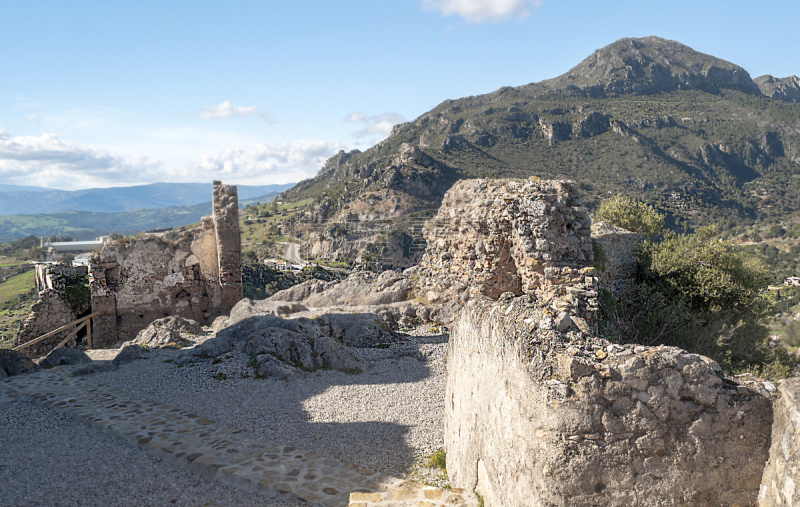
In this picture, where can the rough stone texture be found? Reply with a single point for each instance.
(532, 419)
(781, 88)
(615, 257)
(60, 277)
(65, 356)
(225, 214)
(359, 289)
(129, 353)
(47, 314)
(14, 363)
(781, 485)
(538, 409)
(197, 276)
(174, 331)
(520, 236)
(284, 337)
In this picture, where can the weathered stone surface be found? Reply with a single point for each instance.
(196, 276)
(48, 314)
(781, 88)
(14, 363)
(65, 356)
(615, 256)
(297, 339)
(129, 353)
(519, 236)
(359, 289)
(174, 331)
(781, 484)
(534, 419)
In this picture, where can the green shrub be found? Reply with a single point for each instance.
(701, 294)
(630, 214)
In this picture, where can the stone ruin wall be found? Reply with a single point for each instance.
(533, 418)
(63, 297)
(520, 236)
(541, 411)
(197, 276)
(781, 484)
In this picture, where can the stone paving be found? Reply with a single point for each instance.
(215, 452)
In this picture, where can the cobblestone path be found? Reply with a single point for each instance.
(215, 452)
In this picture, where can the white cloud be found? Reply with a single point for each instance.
(227, 110)
(43, 161)
(375, 125)
(354, 117)
(484, 10)
(265, 164)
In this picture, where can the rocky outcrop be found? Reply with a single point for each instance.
(781, 485)
(285, 338)
(591, 125)
(533, 418)
(169, 331)
(14, 363)
(65, 356)
(359, 289)
(786, 88)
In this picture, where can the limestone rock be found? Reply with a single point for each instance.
(781, 484)
(65, 356)
(128, 353)
(359, 289)
(306, 340)
(786, 89)
(14, 363)
(174, 331)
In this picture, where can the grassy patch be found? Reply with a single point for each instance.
(438, 460)
(16, 285)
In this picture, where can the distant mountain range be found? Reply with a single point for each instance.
(23, 200)
(149, 213)
(690, 133)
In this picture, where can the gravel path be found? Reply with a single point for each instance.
(47, 459)
(389, 418)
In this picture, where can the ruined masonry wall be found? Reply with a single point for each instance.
(63, 297)
(531, 421)
(47, 314)
(196, 276)
(520, 236)
(781, 485)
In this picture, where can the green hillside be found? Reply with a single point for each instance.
(687, 132)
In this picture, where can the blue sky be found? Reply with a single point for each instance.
(96, 94)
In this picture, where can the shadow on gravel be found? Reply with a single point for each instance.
(354, 430)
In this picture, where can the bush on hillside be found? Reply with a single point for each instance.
(630, 214)
(702, 294)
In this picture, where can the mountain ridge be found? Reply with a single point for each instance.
(688, 132)
(119, 199)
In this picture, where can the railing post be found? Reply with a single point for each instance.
(89, 333)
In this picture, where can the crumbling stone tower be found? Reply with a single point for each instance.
(198, 275)
(225, 214)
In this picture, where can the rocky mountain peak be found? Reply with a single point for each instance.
(650, 65)
(781, 88)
